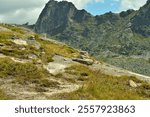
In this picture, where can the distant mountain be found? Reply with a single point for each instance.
(121, 39)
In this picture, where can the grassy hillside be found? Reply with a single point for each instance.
(103, 87)
(27, 71)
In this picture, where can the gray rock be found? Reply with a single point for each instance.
(32, 37)
(34, 43)
(84, 61)
(55, 68)
(85, 53)
(32, 56)
(132, 84)
(39, 62)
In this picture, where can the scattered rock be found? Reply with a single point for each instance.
(84, 53)
(83, 56)
(39, 62)
(14, 37)
(32, 56)
(132, 84)
(34, 43)
(84, 61)
(32, 37)
(55, 68)
(23, 48)
(20, 60)
(20, 42)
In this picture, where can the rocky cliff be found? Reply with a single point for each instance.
(141, 20)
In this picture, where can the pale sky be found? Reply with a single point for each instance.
(22, 11)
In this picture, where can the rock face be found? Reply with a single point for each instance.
(112, 37)
(84, 61)
(56, 16)
(141, 21)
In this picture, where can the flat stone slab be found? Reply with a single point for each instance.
(84, 61)
(20, 42)
(55, 68)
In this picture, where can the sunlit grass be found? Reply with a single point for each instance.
(105, 87)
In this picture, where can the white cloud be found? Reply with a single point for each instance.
(80, 4)
(22, 11)
(131, 4)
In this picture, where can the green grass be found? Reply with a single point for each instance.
(3, 95)
(22, 73)
(5, 35)
(51, 48)
(13, 28)
(104, 87)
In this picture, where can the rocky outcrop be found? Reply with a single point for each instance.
(55, 16)
(141, 21)
(84, 61)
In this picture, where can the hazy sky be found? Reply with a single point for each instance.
(22, 11)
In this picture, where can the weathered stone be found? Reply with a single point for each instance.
(20, 42)
(32, 37)
(132, 84)
(84, 53)
(34, 43)
(32, 56)
(84, 61)
(55, 68)
(39, 62)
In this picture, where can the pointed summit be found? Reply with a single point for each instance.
(54, 17)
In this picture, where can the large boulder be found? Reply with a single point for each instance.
(34, 43)
(84, 61)
(132, 84)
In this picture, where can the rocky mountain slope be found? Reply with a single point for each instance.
(36, 67)
(121, 39)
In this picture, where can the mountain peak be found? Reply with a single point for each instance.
(141, 22)
(56, 16)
